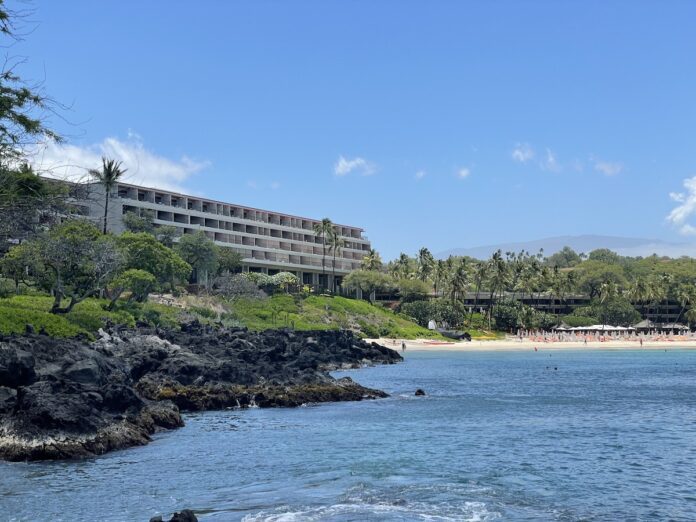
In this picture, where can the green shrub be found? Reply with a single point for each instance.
(579, 320)
(13, 320)
(370, 331)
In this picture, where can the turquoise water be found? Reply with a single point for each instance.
(500, 436)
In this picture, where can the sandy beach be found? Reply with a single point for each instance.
(528, 345)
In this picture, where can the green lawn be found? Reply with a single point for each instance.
(324, 313)
(86, 318)
(279, 311)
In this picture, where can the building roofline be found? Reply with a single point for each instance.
(171, 192)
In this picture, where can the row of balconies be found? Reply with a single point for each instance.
(348, 260)
(222, 209)
(230, 226)
(250, 239)
(294, 262)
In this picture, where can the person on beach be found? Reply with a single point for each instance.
(403, 346)
(641, 342)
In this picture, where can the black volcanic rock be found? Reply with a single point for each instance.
(70, 398)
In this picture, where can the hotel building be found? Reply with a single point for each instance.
(270, 242)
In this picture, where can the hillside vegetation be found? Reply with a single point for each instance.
(279, 311)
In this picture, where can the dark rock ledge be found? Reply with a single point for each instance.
(63, 399)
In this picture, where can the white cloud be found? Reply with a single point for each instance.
(550, 162)
(421, 174)
(677, 196)
(275, 185)
(144, 167)
(608, 168)
(345, 166)
(522, 152)
(463, 173)
(688, 230)
(686, 208)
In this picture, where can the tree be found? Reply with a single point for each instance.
(372, 261)
(403, 266)
(23, 108)
(166, 234)
(592, 274)
(458, 282)
(480, 275)
(77, 262)
(109, 175)
(139, 282)
(201, 253)
(604, 255)
(336, 244)
(691, 316)
(617, 311)
(564, 258)
(413, 290)
(28, 203)
(686, 295)
(139, 223)
(440, 275)
(368, 282)
(229, 261)
(498, 280)
(425, 264)
(142, 251)
(323, 231)
(20, 264)
(284, 280)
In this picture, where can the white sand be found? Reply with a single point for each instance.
(527, 345)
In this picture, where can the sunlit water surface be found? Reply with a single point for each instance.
(500, 436)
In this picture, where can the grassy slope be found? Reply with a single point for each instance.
(86, 318)
(323, 313)
(314, 312)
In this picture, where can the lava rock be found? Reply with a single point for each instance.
(66, 398)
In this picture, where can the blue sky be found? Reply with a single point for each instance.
(447, 124)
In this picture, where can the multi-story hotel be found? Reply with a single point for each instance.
(269, 242)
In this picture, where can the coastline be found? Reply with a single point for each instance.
(516, 345)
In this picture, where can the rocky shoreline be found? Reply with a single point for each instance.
(62, 399)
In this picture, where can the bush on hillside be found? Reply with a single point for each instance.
(237, 286)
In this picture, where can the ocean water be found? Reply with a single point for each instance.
(500, 436)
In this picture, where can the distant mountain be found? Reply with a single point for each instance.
(625, 246)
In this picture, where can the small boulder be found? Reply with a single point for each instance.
(186, 515)
(8, 399)
(419, 392)
(16, 367)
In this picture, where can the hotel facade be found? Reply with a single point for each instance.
(269, 242)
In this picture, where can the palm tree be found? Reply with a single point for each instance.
(607, 291)
(691, 316)
(402, 266)
(372, 261)
(498, 281)
(440, 274)
(425, 264)
(336, 243)
(459, 281)
(323, 230)
(480, 275)
(686, 294)
(109, 175)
